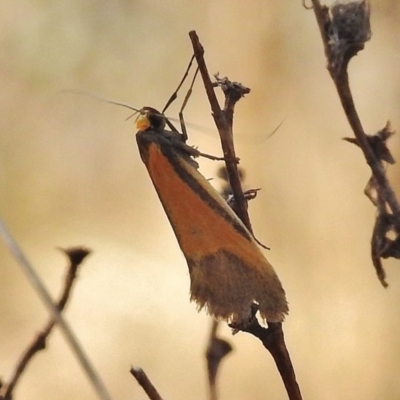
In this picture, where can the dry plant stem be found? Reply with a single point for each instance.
(145, 383)
(274, 341)
(379, 233)
(76, 256)
(217, 349)
(341, 81)
(225, 132)
(345, 28)
(378, 171)
(272, 338)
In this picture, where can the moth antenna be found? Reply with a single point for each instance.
(97, 97)
(117, 103)
(132, 115)
(275, 130)
(122, 105)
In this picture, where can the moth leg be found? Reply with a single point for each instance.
(186, 99)
(175, 94)
(197, 153)
(209, 156)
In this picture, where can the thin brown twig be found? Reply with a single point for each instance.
(145, 383)
(341, 80)
(272, 337)
(378, 170)
(344, 29)
(273, 340)
(75, 255)
(223, 121)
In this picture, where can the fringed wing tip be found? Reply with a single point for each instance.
(241, 314)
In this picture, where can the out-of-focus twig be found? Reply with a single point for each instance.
(75, 255)
(145, 383)
(44, 295)
(345, 28)
(217, 350)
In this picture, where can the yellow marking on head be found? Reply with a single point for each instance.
(142, 122)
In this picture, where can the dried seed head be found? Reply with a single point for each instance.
(348, 31)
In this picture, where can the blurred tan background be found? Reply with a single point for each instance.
(70, 174)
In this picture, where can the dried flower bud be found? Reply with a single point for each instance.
(349, 29)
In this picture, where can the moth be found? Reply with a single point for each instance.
(228, 271)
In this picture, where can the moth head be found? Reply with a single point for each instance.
(150, 119)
